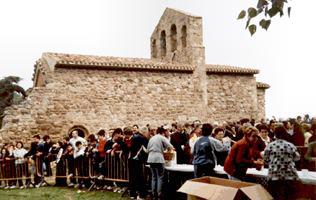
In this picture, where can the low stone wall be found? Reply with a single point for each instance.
(261, 103)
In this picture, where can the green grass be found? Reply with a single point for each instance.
(49, 193)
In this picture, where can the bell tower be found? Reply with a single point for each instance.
(178, 37)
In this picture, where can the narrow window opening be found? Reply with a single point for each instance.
(163, 47)
(184, 36)
(173, 37)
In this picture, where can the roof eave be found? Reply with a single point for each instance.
(240, 72)
(124, 67)
(261, 85)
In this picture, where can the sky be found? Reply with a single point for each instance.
(285, 54)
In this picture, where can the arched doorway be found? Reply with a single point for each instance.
(82, 131)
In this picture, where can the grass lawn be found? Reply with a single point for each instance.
(45, 193)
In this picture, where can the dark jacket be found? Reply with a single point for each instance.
(137, 141)
(46, 148)
(35, 147)
(177, 140)
(203, 152)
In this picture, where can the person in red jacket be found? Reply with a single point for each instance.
(240, 157)
(101, 145)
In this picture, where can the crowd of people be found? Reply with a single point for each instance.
(235, 145)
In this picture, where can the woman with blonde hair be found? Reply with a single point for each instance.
(240, 157)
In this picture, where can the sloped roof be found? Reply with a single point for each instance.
(226, 69)
(61, 60)
(263, 85)
(107, 62)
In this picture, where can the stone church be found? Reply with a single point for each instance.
(88, 93)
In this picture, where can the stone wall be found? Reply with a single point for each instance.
(231, 97)
(261, 103)
(29, 118)
(98, 99)
(103, 99)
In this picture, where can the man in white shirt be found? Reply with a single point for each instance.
(75, 138)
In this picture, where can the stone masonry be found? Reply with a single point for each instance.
(92, 92)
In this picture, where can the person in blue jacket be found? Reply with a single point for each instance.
(204, 159)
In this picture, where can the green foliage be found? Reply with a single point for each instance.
(10, 93)
(17, 98)
(266, 9)
(265, 24)
(242, 14)
(252, 12)
(252, 29)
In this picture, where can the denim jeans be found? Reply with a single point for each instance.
(203, 170)
(157, 173)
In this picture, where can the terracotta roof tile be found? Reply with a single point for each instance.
(75, 60)
(225, 69)
(263, 85)
(108, 62)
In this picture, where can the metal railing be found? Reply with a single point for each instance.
(31, 172)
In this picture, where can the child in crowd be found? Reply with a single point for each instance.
(79, 163)
(10, 167)
(69, 156)
(21, 165)
(60, 161)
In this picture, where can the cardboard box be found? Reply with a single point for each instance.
(212, 188)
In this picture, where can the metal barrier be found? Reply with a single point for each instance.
(87, 170)
(14, 171)
(116, 167)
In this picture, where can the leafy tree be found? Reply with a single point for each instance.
(266, 10)
(10, 93)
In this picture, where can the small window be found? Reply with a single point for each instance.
(173, 37)
(163, 48)
(184, 36)
(154, 48)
